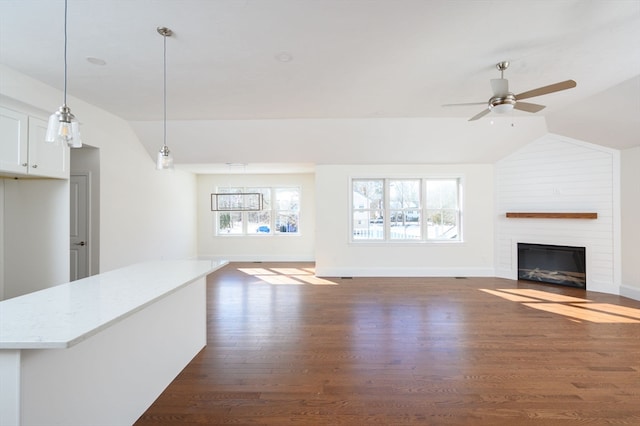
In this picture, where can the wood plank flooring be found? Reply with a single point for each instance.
(286, 348)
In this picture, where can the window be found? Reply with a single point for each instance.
(404, 210)
(280, 213)
(368, 205)
(415, 209)
(287, 209)
(443, 212)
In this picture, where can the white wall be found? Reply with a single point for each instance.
(281, 247)
(630, 201)
(2, 239)
(144, 214)
(337, 256)
(36, 234)
(558, 174)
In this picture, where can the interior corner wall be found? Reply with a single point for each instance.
(145, 214)
(630, 206)
(279, 247)
(2, 239)
(336, 255)
(558, 174)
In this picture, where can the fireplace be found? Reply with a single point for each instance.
(552, 264)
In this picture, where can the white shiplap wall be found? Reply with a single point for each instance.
(559, 174)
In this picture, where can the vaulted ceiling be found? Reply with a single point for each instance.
(318, 81)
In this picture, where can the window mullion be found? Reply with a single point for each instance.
(423, 210)
(387, 210)
(273, 211)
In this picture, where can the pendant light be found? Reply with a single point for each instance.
(63, 126)
(165, 160)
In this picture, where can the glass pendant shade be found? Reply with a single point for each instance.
(165, 159)
(64, 128)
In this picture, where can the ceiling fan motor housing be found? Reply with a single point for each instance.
(502, 104)
(504, 101)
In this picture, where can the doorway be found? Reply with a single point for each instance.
(84, 218)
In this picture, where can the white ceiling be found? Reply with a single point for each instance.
(377, 68)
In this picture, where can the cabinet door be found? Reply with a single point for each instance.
(13, 141)
(46, 159)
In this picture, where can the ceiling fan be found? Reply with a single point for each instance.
(504, 101)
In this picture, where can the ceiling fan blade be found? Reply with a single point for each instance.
(563, 85)
(480, 115)
(500, 86)
(528, 107)
(470, 103)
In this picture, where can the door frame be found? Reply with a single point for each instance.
(89, 239)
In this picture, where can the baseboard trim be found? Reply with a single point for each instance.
(404, 272)
(630, 292)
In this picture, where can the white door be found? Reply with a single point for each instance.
(79, 229)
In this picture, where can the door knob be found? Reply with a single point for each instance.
(81, 243)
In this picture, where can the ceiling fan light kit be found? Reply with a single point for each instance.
(502, 104)
(504, 101)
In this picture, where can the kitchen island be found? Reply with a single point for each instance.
(101, 349)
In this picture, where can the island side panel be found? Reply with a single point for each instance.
(115, 375)
(9, 387)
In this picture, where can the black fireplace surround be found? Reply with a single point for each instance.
(564, 265)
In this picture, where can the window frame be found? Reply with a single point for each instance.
(423, 210)
(270, 204)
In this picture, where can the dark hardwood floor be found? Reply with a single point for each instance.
(285, 348)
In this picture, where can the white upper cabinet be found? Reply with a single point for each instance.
(23, 150)
(14, 141)
(46, 159)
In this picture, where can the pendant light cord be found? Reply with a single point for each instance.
(164, 99)
(64, 96)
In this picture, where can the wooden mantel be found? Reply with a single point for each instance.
(553, 215)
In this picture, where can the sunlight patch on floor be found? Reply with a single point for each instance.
(279, 279)
(312, 279)
(613, 309)
(508, 296)
(287, 276)
(538, 294)
(574, 308)
(584, 313)
(289, 271)
(256, 271)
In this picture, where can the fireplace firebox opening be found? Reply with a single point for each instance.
(564, 265)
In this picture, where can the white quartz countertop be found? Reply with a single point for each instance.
(64, 315)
